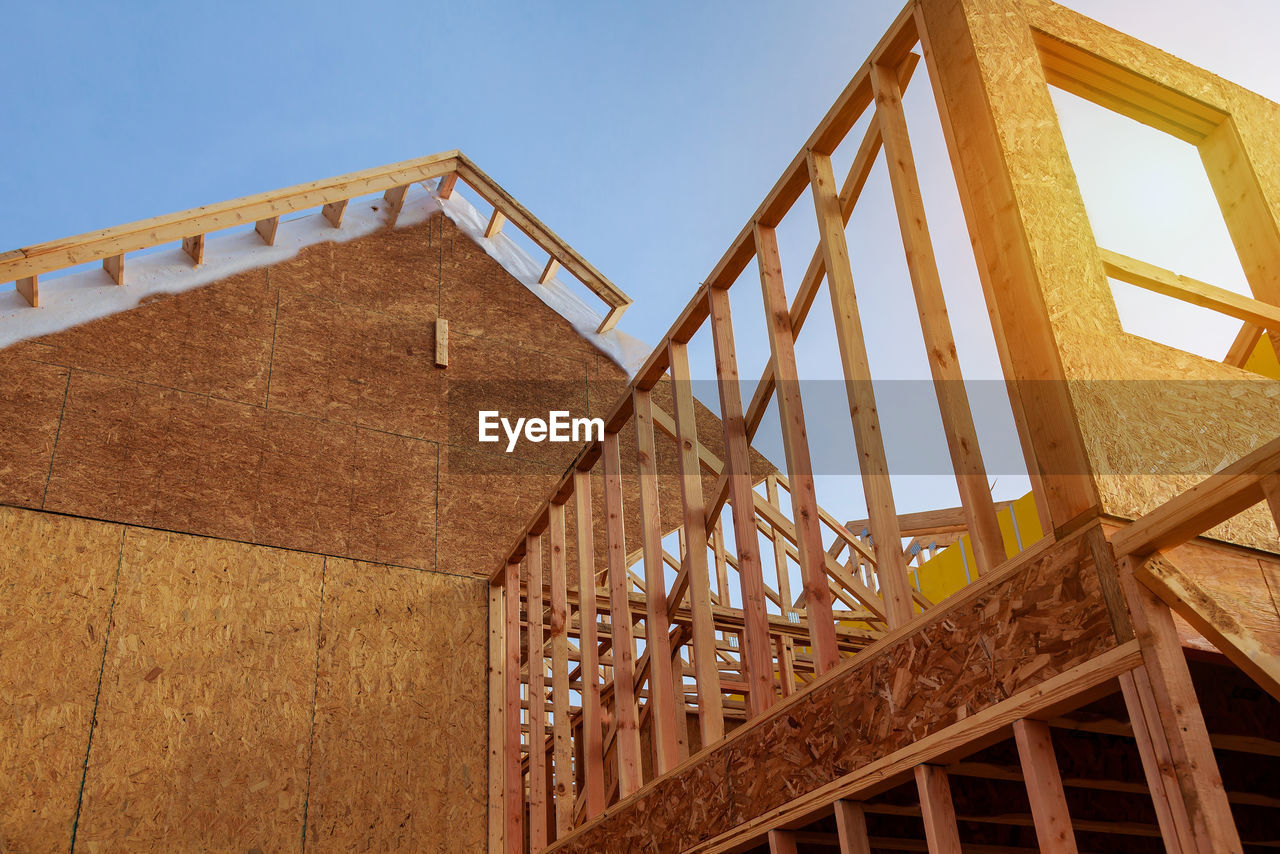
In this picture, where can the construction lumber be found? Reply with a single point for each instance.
(497, 716)
(782, 842)
(538, 789)
(851, 828)
(891, 569)
(627, 740)
(266, 229)
(442, 343)
(662, 700)
(563, 791)
(194, 247)
(333, 212)
(937, 810)
(95, 245)
(444, 189)
(1157, 762)
(804, 499)
(513, 782)
(496, 221)
(592, 731)
(1044, 787)
(693, 558)
(395, 200)
(1212, 826)
(29, 289)
(114, 265)
(940, 345)
(756, 656)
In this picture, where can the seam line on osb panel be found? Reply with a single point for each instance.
(66, 391)
(140, 527)
(93, 719)
(271, 359)
(315, 696)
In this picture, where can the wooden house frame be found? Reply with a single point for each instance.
(828, 716)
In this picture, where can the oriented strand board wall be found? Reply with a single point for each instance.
(244, 691)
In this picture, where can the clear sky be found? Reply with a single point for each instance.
(643, 133)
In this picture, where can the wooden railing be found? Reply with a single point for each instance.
(24, 266)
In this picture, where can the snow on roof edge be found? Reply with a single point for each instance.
(85, 295)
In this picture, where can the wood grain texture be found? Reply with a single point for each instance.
(57, 577)
(1036, 620)
(204, 717)
(399, 755)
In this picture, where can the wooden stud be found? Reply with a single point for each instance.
(395, 198)
(1161, 281)
(549, 271)
(497, 716)
(779, 548)
(444, 189)
(592, 733)
(1044, 787)
(944, 364)
(851, 828)
(194, 246)
(694, 557)
(513, 778)
(756, 656)
(267, 228)
(114, 265)
(496, 221)
(334, 211)
(562, 791)
(1157, 763)
(662, 695)
(1179, 711)
(782, 842)
(442, 343)
(29, 289)
(891, 568)
(538, 804)
(1242, 347)
(786, 664)
(937, 810)
(804, 497)
(627, 737)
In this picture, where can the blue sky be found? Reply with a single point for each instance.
(644, 133)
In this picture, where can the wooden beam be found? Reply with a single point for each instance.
(937, 810)
(267, 228)
(549, 271)
(513, 778)
(1210, 502)
(662, 699)
(395, 199)
(114, 265)
(1243, 345)
(1157, 762)
(1161, 281)
(939, 341)
(496, 220)
(891, 569)
(538, 835)
(96, 245)
(804, 498)
(782, 842)
(29, 289)
(693, 560)
(851, 828)
(194, 247)
(1208, 616)
(562, 792)
(592, 732)
(1044, 787)
(1191, 751)
(333, 212)
(444, 189)
(442, 343)
(627, 740)
(497, 716)
(756, 656)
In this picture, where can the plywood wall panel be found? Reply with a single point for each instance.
(30, 410)
(400, 734)
(393, 500)
(57, 577)
(205, 714)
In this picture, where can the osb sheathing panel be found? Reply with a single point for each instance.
(299, 405)
(1149, 434)
(400, 731)
(1245, 583)
(56, 581)
(205, 713)
(1032, 623)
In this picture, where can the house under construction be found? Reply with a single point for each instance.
(265, 591)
